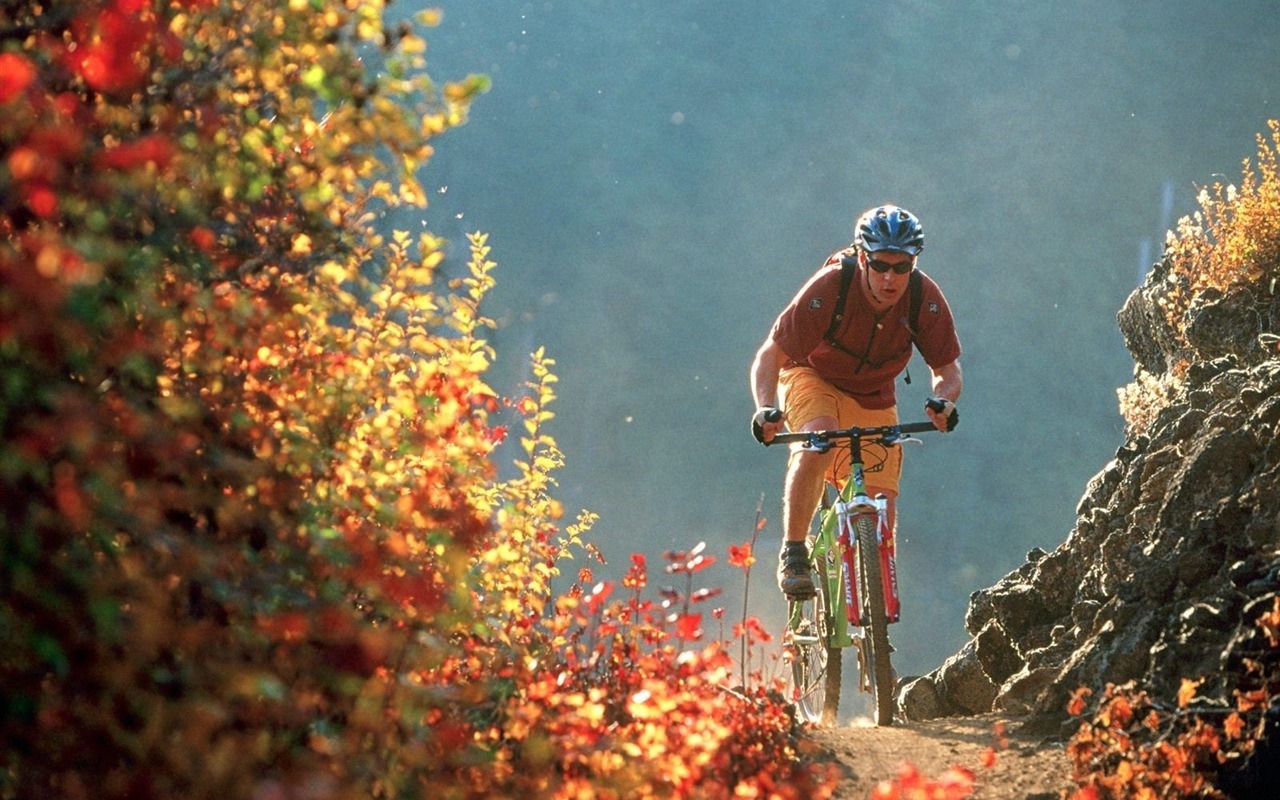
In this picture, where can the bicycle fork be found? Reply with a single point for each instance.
(886, 552)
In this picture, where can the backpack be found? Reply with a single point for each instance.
(849, 266)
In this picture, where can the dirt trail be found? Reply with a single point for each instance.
(1028, 768)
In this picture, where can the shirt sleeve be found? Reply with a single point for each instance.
(803, 323)
(936, 339)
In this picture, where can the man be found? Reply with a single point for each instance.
(823, 367)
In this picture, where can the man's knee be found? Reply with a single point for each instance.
(809, 462)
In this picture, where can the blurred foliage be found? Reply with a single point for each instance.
(1231, 243)
(254, 542)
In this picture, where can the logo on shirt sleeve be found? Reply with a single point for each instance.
(816, 303)
(933, 308)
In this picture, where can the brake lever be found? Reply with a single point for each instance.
(902, 438)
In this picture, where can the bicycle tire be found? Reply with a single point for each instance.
(816, 668)
(875, 620)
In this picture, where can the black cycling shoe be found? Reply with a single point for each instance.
(793, 572)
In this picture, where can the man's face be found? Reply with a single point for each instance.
(886, 284)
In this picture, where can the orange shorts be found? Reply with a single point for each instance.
(805, 396)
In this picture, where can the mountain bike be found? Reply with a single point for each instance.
(854, 561)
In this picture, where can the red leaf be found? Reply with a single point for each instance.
(699, 563)
(16, 74)
(153, 149)
(705, 594)
(688, 626)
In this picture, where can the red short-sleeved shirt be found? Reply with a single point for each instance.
(873, 347)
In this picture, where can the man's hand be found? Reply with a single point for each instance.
(942, 413)
(766, 422)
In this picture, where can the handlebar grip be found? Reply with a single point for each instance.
(766, 414)
(939, 405)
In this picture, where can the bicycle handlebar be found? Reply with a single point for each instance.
(889, 433)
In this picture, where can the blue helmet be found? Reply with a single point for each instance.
(889, 228)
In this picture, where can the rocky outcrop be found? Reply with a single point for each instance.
(1176, 546)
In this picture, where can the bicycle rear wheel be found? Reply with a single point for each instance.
(875, 620)
(816, 670)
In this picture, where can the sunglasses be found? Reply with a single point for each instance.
(901, 268)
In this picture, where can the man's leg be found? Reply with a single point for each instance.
(803, 488)
(800, 496)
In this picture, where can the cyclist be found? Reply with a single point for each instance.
(823, 367)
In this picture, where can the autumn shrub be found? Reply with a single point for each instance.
(1233, 239)
(1137, 746)
(254, 540)
(630, 698)
(240, 429)
(1231, 244)
(1142, 400)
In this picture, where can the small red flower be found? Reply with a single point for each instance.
(202, 238)
(41, 200)
(16, 74)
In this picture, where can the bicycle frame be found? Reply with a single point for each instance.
(845, 597)
(834, 556)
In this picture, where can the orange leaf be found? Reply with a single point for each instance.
(1188, 691)
(1234, 726)
(1075, 706)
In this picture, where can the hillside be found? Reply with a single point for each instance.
(1172, 568)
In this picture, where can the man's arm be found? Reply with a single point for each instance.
(764, 381)
(948, 382)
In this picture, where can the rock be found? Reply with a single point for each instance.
(1021, 693)
(962, 683)
(996, 653)
(1083, 614)
(1175, 550)
(918, 700)
(1019, 607)
(1221, 324)
(1098, 492)
(1147, 332)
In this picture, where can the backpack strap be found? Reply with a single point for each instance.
(848, 266)
(915, 294)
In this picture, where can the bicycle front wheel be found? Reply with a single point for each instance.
(815, 666)
(875, 621)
